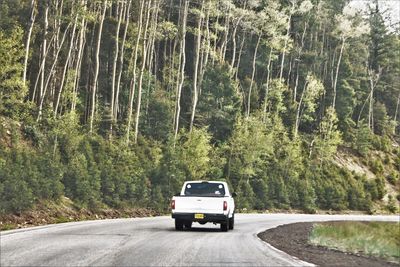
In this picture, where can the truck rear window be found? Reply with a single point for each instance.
(205, 190)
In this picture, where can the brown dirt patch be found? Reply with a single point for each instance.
(293, 239)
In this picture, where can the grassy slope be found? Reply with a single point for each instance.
(379, 239)
(49, 212)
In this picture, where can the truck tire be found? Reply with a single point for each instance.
(178, 225)
(225, 226)
(188, 225)
(232, 222)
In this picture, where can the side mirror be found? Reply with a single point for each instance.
(234, 194)
(177, 194)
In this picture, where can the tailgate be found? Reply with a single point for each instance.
(199, 205)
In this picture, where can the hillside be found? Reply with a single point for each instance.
(114, 104)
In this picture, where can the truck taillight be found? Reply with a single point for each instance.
(225, 205)
(173, 204)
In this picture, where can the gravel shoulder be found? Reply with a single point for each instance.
(293, 239)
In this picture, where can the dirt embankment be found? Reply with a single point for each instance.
(293, 239)
(66, 211)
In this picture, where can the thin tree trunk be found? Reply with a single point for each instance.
(39, 76)
(50, 74)
(182, 70)
(28, 40)
(337, 73)
(226, 33)
(151, 55)
(97, 67)
(206, 51)
(240, 56)
(133, 81)
(286, 40)
(78, 65)
(67, 62)
(196, 67)
(121, 61)
(144, 57)
(296, 127)
(373, 82)
(120, 7)
(267, 84)
(252, 76)
(234, 43)
(44, 51)
(396, 112)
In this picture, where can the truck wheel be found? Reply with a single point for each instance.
(232, 222)
(225, 226)
(178, 225)
(188, 225)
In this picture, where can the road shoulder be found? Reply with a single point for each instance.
(293, 239)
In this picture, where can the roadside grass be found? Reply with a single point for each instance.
(377, 239)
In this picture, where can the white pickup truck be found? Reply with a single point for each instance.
(203, 202)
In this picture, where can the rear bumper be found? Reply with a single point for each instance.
(208, 217)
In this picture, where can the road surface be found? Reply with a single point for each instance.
(154, 242)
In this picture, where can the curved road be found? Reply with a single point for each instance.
(154, 242)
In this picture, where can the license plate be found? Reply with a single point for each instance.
(199, 216)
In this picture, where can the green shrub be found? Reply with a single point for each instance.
(392, 178)
(376, 166)
(391, 206)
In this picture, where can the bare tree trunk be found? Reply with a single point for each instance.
(97, 66)
(44, 51)
(172, 54)
(286, 39)
(206, 51)
(252, 76)
(144, 57)
(226, 33)
(67, 62)
(120, 8)
(121, 61)
(337, 73)
(182, 70)
(196, 67)
(297, 123)
(234, 43)
(267, 84)
(133, 81)
(373, 80)
(28, 40)
(50, 74)
(396, 112)
(240, 56)
(79, 58)
(151, 54)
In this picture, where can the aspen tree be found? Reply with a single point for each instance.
(196, 68)
(182, 70)
(97, 66)
(140, 82)
(133, 80)
(28, 39)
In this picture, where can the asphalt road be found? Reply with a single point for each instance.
(154, 242)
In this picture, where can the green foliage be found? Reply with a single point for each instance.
(12, 89)
(393, 177)
(219, 104)
(363, 138)
(392, 205)
(376, 166)
(328, 137)
(265, 162)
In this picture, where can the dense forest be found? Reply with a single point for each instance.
(117, 102)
